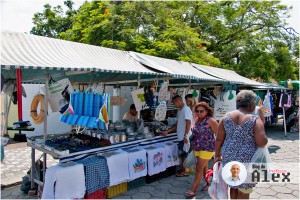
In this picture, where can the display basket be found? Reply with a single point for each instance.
(99, 194)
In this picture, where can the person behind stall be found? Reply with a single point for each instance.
(131, 115)
(203, 131)
(146, 115)
(183, 129)
(239, 135)
(191, 103)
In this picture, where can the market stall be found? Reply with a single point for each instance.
(45, 60)
(279, 101)
(98, 143)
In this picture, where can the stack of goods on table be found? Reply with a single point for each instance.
(71, 143)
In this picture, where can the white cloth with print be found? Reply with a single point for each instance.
(64, 182)
(169, 154)
(137, 159)
(156, 160)
(175, 154)
(117, 162)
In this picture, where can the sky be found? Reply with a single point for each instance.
(16, 15)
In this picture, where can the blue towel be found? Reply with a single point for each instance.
(88, 104)
(96, 173)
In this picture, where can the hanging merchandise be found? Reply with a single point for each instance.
(224, 104)
(205, 96)
(172, 93)
(37, 118)
(117, 101)
(285, 100)
(149, 94)
(266, 107)
(103, 114)
(58, 93)
(195, 93)
(88, 109)
(296, 100)
(259, 101)
(163, 92)
(231, 95)
(161, 111)
(69, 110)
(139, 99)
(216, 92)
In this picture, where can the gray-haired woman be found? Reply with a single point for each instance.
(239, 135)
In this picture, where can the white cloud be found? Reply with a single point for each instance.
(295, 13)
(16, 15)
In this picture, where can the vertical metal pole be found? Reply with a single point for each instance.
(32, 169)
(284, 121)
(19, 92)
(139, 84)
(45, 122)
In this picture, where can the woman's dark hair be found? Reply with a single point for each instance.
(188, 96)
(132, 106)
(210, 111)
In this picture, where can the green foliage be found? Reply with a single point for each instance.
(249, 37)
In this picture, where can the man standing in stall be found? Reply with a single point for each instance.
(183, 129)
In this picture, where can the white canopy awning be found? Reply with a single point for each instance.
(226, 74)
(175, 67)
(31, 51)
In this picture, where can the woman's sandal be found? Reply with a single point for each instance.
(205, 188)
(190, 194)
(181, 175)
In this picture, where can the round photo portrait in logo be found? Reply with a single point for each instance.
(234, 173)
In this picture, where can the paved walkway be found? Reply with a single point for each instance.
(284, 150)
(17, 162)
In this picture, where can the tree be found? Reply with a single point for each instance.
(52, 22)
(243, 36)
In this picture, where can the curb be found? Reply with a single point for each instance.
(10, 185)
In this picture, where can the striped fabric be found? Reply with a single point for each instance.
(226, 74)
(21, 50)
(179, 69)
(86, 108)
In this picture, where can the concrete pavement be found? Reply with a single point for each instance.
(284, 150)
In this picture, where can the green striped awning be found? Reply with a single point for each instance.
(36, 53)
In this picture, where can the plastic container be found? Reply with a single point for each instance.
(111, 138)
(123, 137)
(136, 183)
(99, 194)
(117, 137)
(116, 190)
